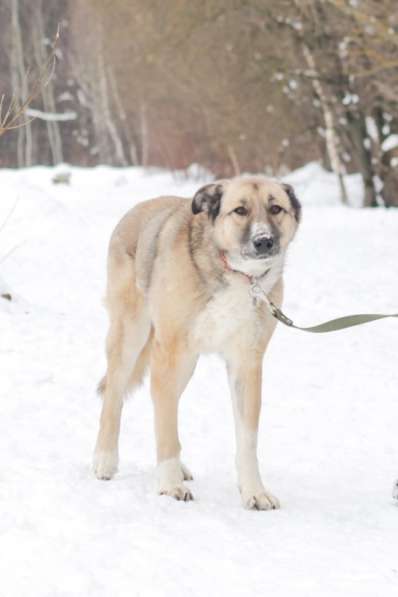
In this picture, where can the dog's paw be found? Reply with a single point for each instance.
(171, 474)
(105, 464)
(186, 472)
(179, 492)
(395, 490)
(261, 500)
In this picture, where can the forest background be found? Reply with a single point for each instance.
(232, 85)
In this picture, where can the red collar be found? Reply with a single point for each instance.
(228, 268)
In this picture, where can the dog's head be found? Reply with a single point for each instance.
(254, 218)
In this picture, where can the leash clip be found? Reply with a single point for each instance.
(281, 316)
(258, 294)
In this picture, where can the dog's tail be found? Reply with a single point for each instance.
(137, 374)
(101, 386)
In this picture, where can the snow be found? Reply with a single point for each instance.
(372, 129)
(350, 98)
(390, 143)
(316, 186)
(328, 439)
(51, 116)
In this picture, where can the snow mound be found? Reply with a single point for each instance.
(315, 186)
(390, 143)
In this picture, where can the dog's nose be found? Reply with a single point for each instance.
(263, 244)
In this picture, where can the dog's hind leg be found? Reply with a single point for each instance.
(171, 369)
(126, 343)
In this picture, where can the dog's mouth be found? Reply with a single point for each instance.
(253, 257)
(249, 263)
(248, 255)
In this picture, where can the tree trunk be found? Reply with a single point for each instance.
(47, 91)
(330, 132)
(132, 147)
(144, 136)
(117, 154)
(358, 135)
(20, 86)
(234, 160)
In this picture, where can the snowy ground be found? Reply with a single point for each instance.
(328, 441)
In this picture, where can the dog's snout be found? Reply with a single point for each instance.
(263, 244)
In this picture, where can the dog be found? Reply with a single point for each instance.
(180, 274)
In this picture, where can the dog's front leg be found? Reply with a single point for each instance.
(245, 384)
(171, 369)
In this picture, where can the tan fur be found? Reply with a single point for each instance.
(170, 298)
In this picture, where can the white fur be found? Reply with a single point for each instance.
(257, 267)
(260, 229)
(231, 311)
(253, 492)
(395, 491)
(170, 479)
(105, 464)
(169, 473)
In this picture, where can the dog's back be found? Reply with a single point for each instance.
(133, 245)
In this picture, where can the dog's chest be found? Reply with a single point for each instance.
(229, 316)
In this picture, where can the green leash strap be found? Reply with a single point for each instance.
(341, 323)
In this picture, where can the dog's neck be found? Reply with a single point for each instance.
(265, 273)
(249, 275)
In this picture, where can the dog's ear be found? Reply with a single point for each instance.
(294, 202)
(208, 199)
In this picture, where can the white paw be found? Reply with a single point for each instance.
(395, 490)
(260, 500)
(179, 492)
(105, 464)
(186, 472)
(171, 474)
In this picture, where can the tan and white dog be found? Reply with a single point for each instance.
(180, 274)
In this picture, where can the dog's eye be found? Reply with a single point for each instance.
(241, 211)
(275, 209)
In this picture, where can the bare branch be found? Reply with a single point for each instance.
(12, 119)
